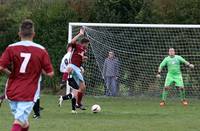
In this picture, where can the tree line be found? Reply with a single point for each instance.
(51, 18)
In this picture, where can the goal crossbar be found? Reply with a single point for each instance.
(127, 25)
(136, 25)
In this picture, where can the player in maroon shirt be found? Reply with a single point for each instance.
(27, 60)
(77, 59)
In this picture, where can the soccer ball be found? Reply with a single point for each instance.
(96, 108)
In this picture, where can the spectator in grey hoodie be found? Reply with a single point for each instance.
(111, 74)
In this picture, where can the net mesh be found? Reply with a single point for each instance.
(139, 51)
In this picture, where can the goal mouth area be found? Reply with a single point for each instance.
(139, 49)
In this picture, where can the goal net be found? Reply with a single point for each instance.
(139, 49)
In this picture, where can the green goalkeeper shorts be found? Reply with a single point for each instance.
(174, 79)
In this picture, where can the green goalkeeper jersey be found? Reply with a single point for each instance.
(173, 64)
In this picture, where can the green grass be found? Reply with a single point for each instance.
(118, 114)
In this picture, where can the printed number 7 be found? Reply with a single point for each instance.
(24, 64)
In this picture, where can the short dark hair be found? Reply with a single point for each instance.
(26, 28)
(84, 40)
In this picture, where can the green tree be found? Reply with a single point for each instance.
(116, 11)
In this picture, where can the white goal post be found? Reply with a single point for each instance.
(71, 24)
(139, 48)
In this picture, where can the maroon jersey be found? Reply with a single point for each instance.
(76, 58)
(27, 60)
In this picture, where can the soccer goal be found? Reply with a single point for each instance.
(139, 49)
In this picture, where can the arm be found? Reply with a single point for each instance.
(104, 69)
(51, 74)
(81, 32)
(162, 64)
(43, 72)
(117, 68)
(47, 67)
(82, 70)
(185, 62)
(84, 58)
(159, 71)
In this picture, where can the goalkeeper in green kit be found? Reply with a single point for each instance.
(174, 75)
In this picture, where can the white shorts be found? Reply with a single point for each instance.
(76, 72)
(21, 110)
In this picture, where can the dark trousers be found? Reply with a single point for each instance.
(111, 86)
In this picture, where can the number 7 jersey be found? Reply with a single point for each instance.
(27, 60)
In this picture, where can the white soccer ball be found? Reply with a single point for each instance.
(96, 108)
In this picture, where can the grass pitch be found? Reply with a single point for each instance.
(118, 114)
